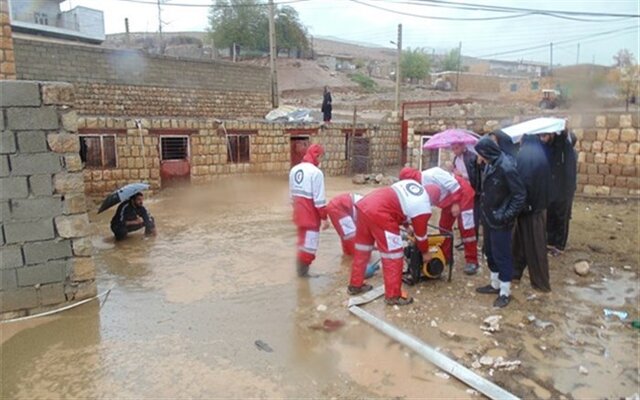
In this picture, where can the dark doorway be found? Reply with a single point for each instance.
(299, 145)
(360, 152)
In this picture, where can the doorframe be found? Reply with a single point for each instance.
(423, 139)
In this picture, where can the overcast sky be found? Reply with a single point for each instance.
(357, 22)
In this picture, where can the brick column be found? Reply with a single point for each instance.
(7, 61)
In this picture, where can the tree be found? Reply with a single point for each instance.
(623, 58)
(626, 76)
(414, 64)
(246, 23)
(451, 62)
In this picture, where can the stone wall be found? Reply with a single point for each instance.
(119, 83)
(45, 253)
(7, 64)
(608, 147)
(139, 159)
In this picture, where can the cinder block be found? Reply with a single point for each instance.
(7, 142)
(32, 142)
(52, 294)
(41, 185)
(32, 118)
(50, 272)
(33, 164)
(19, 299)
(13, 188)
(28, 231)
(4, 166)
(40, 252)
(73, 226)
(11, 257)
(41, 207)
(19, 94)
(8, 279)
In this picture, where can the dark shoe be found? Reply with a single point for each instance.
(398, 301)
(471, 269)
(302, 268)
(487, 290)
(502, 301)
(353, 290)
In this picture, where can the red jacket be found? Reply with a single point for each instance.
(306, 190)
(344, 204)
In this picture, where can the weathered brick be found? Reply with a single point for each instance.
(621, 148)
(586, 145)
(83, 269)
(8, 279)
(7, 142)
(72, 226)
(41, 185)
(68, 183)
(633, 182)
(32, 118)
(64, 142)
(59, 93)
(600, 158)
(612, 158)
(582, 178)
(32, 164)
(49, 272)
(634, 148)
(619, 191)
(628, 170)
(19, 94)
(40, 252)
(608, 146)
(625, 121)
(629, 135)
(4, 166)
(603, 190)
(72, 163)
(603, 169)
(75, 204)
(601, 135)
(609, 180)
(32, 142)
(616, 169)
(5, 211)
(589, 189)
(13, 188)
(19, 299)
(82, 247)
(596, 146)
(592, 169)
(84, 290)
(621, 181)
(596, 179)
(28, 231)
(613, 135)
(28, 209)
(69, 121)
(11, 257)
(51, 294)
(601, 121)
(626, 159)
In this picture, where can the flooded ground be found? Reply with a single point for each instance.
(188, 306)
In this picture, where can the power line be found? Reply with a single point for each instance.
(211, 5)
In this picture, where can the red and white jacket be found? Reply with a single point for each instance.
(394, 205)
(306, 190)
(445, 189)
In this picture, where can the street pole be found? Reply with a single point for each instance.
(578, 55)
(550, 58)
(126, 29)
(273, 55)
(160, 28)
(459, 64)
(398, 73)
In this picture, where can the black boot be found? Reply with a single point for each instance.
(487, 289)
(302, 268)
(502, 301)
(353, 290)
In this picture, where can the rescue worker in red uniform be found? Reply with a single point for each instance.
(342, 214)
(380, 215)
(306, 190)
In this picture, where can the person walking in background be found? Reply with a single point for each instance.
(326, 105)
(564, 161)
(503, 197)
(530, 236)
(342, 214)
(306, 191)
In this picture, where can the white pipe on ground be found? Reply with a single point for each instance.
(443, 362)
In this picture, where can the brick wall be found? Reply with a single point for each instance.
(7, 64)
(139, 159)
(608, 147)
(45, 252)
(131, 83)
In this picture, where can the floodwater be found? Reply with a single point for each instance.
(188, 306)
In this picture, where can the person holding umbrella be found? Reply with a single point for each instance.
(131, 216)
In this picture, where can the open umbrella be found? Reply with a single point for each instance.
(446, 138)
(122, 194)
(535, 126)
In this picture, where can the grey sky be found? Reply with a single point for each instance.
(355, 22)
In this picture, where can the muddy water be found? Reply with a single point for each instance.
(188, 306)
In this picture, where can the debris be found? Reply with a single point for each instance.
(289, 114)
(583, 370)
(379, 178)
(472, 392)
(451, 334)
(520, 325)
(359, 179)
(321, 308)
(476, 364)
(540, 324)
(434, 324)
(532, 297)
(263, 346)
(491, 323)
(500, 363)
(328, 325)
(581, 268)
(622, 315)
(570, 282)
(627, 267)
(442, 375)
(486, 360)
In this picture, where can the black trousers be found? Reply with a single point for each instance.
(121, 231)
(530, 249)
(558, 218)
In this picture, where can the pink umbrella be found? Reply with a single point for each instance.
(446, 138)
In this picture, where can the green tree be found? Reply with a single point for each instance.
(451, 62)
(290, 33)
(414, 64)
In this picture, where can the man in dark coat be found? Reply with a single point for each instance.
(502, 199)
(563, 187)
(505, 143)
(530, 236)
(131, 216)
(326, 105)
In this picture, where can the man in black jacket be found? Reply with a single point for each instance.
(131, 216)
(530, 236)
(502, 199)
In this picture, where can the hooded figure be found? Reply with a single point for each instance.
(503, 197)
(306, 191)
(530, 236)
(326, 105)
(505, 143)
(563, 187)
(380, 214)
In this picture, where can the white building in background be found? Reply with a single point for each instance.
(44, 17)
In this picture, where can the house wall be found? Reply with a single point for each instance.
(7, 60)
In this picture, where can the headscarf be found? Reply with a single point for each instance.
(313, 154)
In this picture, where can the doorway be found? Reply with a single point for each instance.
(299, 145)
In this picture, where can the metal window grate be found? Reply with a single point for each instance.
(175, 148)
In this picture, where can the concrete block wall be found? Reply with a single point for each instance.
(138, 148)
(114, 82)
(608, 147)
(7, 62)
(45, 255)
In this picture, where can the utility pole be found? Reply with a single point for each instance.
(273, 55)
(578, 55)
(398, 72)
(160, 28)
(550, 58)
(126, 29)
(459, 64)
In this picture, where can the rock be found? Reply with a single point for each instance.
(472, 392)
(627, 267)
(491, 323)
(388, 180)
(581, 268)
(321, 308)
(379, 178)
(486, 360)
(359, 179)
(451, 334)
(434, 324)
(583, 370)
(442, 375)
(476, 365)
(569, 282)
